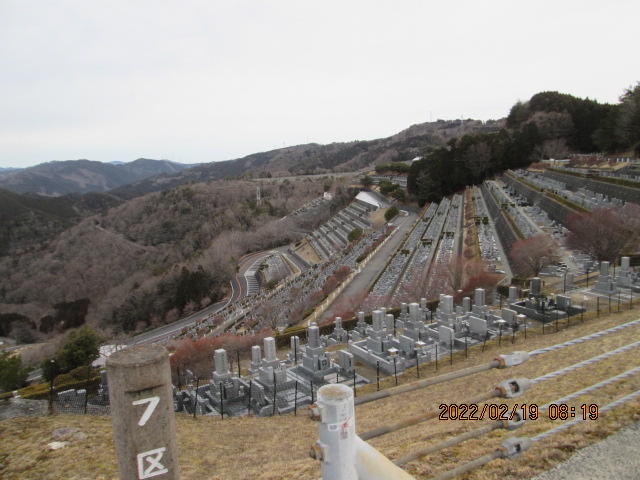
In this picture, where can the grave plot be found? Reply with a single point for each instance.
(483, 231)
(331, 237)
(626, 277)
(438, 271)
(418, 336)
(378, 346)
(538, 307)
(526, 227)
(582, 196)
(273, 387)
(388, 280)
(407, 266)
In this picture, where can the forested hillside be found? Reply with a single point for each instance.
(159, 256)
(29, 222)
(549, 125)
(319, 159)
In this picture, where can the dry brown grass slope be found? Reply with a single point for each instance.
(276, 448)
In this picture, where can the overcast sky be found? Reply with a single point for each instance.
(201, 81)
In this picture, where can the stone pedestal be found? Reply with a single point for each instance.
(604, 283)
(623, 279)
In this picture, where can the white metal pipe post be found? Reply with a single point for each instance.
(343, 454)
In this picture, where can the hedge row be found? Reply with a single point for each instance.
(568, 203)
(623, 182)
(75, 379)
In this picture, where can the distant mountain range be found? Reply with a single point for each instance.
(82, 176)
(129, 180)
(318, 159)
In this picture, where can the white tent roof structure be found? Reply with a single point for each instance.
(368, 198)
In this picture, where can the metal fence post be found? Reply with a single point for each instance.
(336, 448)
(195, 400)
(343, 454)
(354, 382)
(141, 399)
(395, 370)
(221, 401)
(275, 392)
(51, 388)
(86, 389)
(249, 398)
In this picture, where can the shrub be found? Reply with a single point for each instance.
(391, 213)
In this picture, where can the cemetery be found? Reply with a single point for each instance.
(390, 345)
(331, 237)
(274, 386)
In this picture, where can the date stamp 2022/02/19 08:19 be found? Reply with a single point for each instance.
(502, 411)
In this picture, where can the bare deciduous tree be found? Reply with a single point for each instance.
(531, 255)
(478, 158)
(603, 233)
(554, 148)
(553, 125)
(456, 270)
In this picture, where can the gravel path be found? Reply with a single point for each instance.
(19, 407)
(616, 457)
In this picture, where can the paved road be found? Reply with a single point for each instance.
(365, 278)
(167, 330)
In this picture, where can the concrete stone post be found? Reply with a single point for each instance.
(269, 349)
(479, 296)
(414, 312)
(536, 287)
(221, 361)
(466, 304)
(625, 264)
(144, 431)
(313, 336)
(513, 294)
(446, 304)
(295, 347)
(377, 321)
